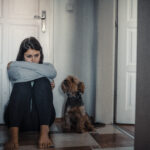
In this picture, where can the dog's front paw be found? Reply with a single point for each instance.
(91, 128)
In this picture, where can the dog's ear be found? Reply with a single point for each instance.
(63, 87)
(81, 87)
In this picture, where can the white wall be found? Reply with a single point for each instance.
(74, 49)
(105, 60)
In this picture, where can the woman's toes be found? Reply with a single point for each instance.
(16, 145)
(11, 146)
(45, 145)
(40, 145)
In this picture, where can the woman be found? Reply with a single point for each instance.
(31, 102)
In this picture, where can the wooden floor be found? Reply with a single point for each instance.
(103, 138)
(128, 128)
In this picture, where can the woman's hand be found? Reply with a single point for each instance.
(52, 84)
(8, 65)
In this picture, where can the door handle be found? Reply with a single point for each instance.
(43, 20)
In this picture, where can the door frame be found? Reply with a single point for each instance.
(115, 64)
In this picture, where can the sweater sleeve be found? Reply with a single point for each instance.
(45, 69)
(17, 75)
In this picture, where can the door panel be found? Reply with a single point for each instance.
(15, 41)
(126, 80)
(23, 9)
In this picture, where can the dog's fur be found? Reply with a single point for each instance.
(75, 116)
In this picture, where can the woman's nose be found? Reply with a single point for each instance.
(32, 59)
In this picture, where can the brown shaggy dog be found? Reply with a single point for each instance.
(75, 116)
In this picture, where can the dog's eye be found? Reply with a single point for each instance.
(72, 80)
(65, 82)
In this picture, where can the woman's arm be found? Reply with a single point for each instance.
(45, 69)
(17, 74)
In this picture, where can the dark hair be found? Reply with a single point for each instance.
(29, 43)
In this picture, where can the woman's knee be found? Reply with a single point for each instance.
(20, 92)
(23, 88)
(42, 80)
(42, 83)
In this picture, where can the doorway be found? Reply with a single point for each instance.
(126, 65)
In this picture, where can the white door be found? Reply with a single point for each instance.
(126, 79)
(17, 22)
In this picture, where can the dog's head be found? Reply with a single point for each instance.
(72, 85)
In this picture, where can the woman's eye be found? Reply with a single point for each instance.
(37, 55)
(29, 56)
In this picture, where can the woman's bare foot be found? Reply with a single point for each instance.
(13, 139)
(44, 140)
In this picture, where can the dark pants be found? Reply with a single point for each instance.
(29, 107)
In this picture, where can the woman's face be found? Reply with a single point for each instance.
(32, 55)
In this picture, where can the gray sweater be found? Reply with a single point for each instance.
(22, 71)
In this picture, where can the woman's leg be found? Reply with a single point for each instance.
(43, 99)
(17, 106)
(31, 119)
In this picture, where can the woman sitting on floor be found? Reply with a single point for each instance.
(30, 106)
